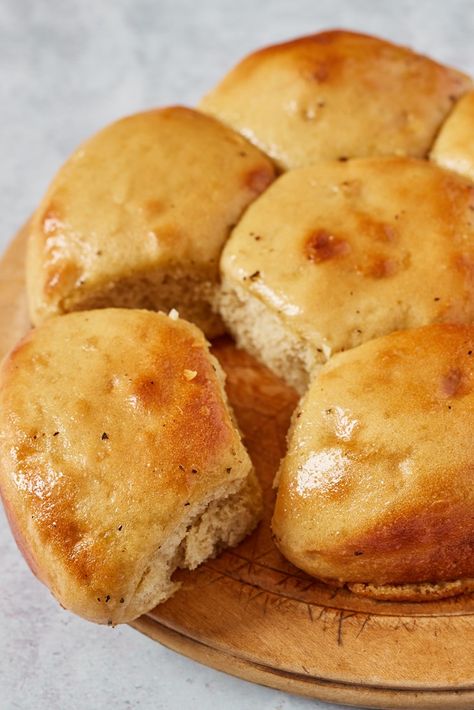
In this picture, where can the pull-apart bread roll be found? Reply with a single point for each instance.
(138, 216)
(339, 253)
(454, 146)
(336, 95)
(119, 458)
(376, 490)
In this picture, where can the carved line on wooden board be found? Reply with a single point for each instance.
(258, 585)
(310, 679)
(344, 613)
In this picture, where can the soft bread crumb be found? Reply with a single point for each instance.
(264, 335)
(158, 290)
(222, 521)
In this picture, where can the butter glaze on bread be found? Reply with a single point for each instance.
(119, 458)
(336, 95)
(454, 146)
(376, 489)
(137, 217)
(336, 254)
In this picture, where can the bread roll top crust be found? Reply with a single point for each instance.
(377, 486)
(156, 190)
(337, 94)
(112, 423)
(344, 252)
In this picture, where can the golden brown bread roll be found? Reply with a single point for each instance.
(338, 253)
(335, 95)
(119, 458)
(138, 215)
(454, 146)
(376, 489)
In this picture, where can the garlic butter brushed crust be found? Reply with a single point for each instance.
(112, 423)
(378, 482)
(346, 252)
(336, 94)
(153, 193)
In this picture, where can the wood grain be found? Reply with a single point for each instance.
(252, 614)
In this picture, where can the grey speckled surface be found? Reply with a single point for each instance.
(67, 67)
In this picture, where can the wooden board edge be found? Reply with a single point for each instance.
(317, 688)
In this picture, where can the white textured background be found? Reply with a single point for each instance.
(67, 67)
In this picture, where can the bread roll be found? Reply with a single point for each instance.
(137, 217)
(119, 458)
(335, 95)
(339, 253)
(376, 490)
(454, 146)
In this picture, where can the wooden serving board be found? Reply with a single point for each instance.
(252, 614)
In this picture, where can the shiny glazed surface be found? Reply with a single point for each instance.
(336, 94)
(377, 485)
(156, 190)
(112, 422)
(347, 251)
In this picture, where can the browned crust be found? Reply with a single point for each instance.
(77, 395)
(422, 592)
(387, 504)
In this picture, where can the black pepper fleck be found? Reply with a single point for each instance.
(104, 436)
(254, 276)
(120, 527)
(56, 433)
(107, 598)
